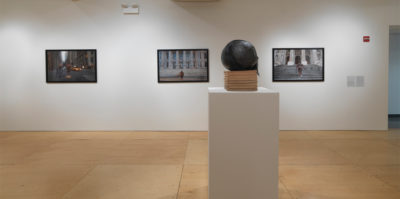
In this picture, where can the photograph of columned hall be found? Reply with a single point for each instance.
(71, 66)
(183, 65)
(298, 64)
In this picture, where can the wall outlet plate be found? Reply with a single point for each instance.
(355, 81)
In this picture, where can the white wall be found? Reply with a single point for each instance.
(127, 95)
(394, 73)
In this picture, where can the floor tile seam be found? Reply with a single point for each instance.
(155, 139)
(120, 141)
(395, 188)
(386, 183)
(391, 140)
(24, 142)
(380, 165)
(197, 139)
(354, 139)
(183, 166)
(133, 165)
(370, 174)
(377, 178)
(341, 139)
(80, 180)
(351, 161)
(180, 181)
(28, 195)
(45, 161)
(186, 151)
(195, 163)
(287, 190)
(183, 138)
(139, 164)
(7, 165)
(394, 144)
(25, 159)
(317, 164)
(364, 173)
(55, 165)
(48, 148)
(365, 156)
(46, 164)
(61, 193)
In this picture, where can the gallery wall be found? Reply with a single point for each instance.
(394, 73)
(127, 95)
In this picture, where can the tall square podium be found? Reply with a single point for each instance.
(243, 144)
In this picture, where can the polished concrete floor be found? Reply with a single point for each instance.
(164, 165)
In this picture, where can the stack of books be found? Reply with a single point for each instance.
(241, 80)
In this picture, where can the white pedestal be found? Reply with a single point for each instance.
(243, 144)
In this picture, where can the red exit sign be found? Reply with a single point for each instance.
(367, 39)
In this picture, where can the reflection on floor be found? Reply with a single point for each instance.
(163, 165)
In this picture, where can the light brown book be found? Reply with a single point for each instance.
(241, 80)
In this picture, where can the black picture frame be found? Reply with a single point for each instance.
(74, 69)
(313, 72)
(168, 67)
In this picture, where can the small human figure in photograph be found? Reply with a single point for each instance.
(181, 74)
(299, 66)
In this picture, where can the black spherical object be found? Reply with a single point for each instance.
(240, 55)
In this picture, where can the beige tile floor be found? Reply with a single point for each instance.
(164, 165)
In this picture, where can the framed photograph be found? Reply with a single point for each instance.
(183, 65)
(71, 66)
(298, 64)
